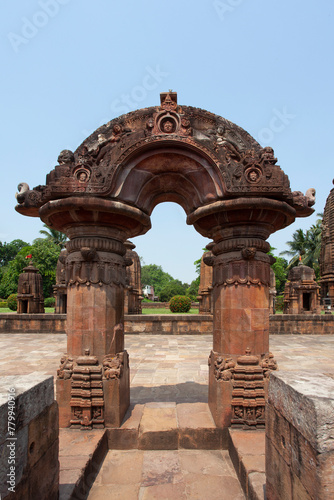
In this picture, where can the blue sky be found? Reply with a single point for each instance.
(71, 65)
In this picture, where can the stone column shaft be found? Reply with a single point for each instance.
(96, 280)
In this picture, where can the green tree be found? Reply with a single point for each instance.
(8, 251)
(192, 291)
(57, 237)
(297, 247)
(280, 268)
(306, 247)
(312, 255)
(12, 271)
(45, 255)
(174, 287)
(154, 275)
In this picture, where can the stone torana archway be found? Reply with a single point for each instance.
(103, 194)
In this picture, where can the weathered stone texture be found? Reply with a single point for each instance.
(36, 438)
(327, 250)
(103, 194)
(169, 324)
(299, 436)
(301, 324)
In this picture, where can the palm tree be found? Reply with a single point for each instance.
(312, 255)
(297, 247)
(305, 247)
(57, 237)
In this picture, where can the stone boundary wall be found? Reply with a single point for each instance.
(299, 436)
(32, 323)
(280, 324)
(168, 324)
(29, 457)
(302, 324)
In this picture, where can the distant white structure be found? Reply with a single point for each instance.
(148, 292)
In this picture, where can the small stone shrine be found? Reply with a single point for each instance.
(132, 292)
(301, 293)
(327, 250)
(30, 297)
(205, 288)
(60, 288)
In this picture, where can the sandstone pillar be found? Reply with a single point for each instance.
(240, 360)
(241, 280)
(98, 391)
(93, 387)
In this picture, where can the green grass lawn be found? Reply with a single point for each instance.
(163, 310)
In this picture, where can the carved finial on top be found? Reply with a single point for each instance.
(168, 100)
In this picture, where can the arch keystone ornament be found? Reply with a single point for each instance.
(103, 194)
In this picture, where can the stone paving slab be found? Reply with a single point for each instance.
(166, 474)
(247, 452)
(80, 457)
(163, 369)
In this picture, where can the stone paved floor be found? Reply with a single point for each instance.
(176, 474)
(162, 360)
(163, 369)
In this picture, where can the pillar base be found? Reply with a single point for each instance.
(92, 395)
(116, 393)
(238, 389)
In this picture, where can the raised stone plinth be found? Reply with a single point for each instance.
(300, 436)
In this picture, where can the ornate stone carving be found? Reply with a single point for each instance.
(248, 396)
(303, 203)
(91, 267)
(224, 368)
(327, 251)
(232, 191)
(113, 365)
(65, 156)
(87, 403)
(247, 376)
(66, 367)
(268, 364)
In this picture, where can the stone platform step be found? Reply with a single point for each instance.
(146, 427)
(247, 452)
(183, 435)
(167, 426)
(166, 474)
